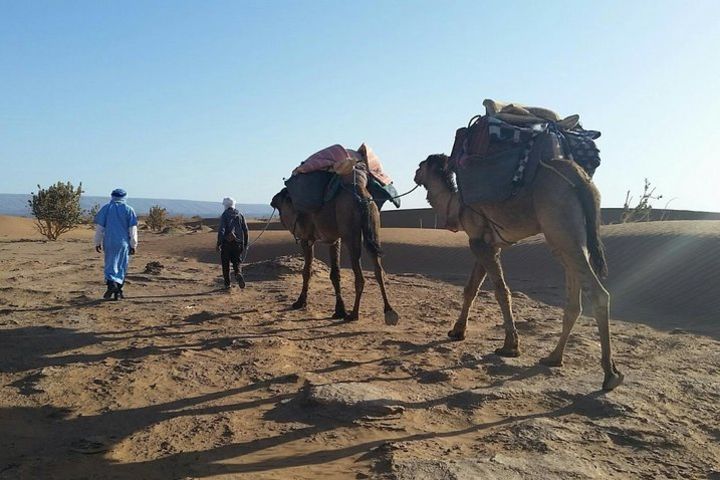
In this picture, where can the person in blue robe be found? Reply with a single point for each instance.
(116, 235)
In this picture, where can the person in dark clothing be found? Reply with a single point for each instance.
(232, 241)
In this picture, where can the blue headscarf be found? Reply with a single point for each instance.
(118, 194)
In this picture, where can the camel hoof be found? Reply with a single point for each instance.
(551, 361)
(456, 336)
(612, 380)
(391, 317)
(353, 317)
(299, 304)
(507, 352)
(339, 314)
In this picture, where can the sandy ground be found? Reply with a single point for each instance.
(183, 380)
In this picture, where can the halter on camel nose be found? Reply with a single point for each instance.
(416, 179)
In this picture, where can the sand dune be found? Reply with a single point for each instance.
(18, 228)
(183, 380)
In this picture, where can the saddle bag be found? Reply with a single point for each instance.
(488, 179)
(307, 190)
(581, 146)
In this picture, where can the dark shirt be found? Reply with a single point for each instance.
(231, 218)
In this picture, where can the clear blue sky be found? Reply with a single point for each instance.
(198, 100)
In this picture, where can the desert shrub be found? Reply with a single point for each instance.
(157, 218)
(643, 209)
(88, 216)
(56, 209)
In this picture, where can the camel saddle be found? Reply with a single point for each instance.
(310, 191)
(498, 153)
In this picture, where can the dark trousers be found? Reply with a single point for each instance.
(230, 253)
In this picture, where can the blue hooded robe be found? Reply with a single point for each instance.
(116, 218)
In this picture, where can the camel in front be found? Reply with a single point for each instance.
(564, 205)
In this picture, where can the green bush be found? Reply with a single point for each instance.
(56, 209)
(157, 218)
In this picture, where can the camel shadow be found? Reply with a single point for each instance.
(34, 348)
(496, 366)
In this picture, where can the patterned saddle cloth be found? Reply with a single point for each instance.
(494, 159)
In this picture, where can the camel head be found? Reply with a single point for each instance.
(280, 200)
(436, 166)
(283, 204)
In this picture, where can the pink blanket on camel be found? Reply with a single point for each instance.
(326, 158)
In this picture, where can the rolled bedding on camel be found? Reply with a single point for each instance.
(337, 158)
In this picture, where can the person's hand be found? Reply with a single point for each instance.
(98, 248)
(132, 251)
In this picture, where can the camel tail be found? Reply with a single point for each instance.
(590, 200)
(589, 197)
(370, 225)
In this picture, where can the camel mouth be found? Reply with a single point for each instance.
(417, 179)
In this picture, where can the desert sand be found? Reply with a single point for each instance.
(184, 380)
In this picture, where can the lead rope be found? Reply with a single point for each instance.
(495, 227)
(406, 193)
(247, 249)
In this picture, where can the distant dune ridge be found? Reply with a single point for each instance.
(426, 217)
(16, 204)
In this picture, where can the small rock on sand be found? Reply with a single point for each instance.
(352, 400)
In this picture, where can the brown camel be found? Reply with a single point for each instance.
(564, 205)
(351, 217)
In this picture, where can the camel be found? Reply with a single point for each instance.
(350, 218)
(564, 205)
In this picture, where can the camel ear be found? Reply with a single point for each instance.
(442, 162)
(438, 163)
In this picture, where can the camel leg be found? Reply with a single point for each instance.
(578, 267)
(308, 249)
(572, 311)
(355, 250)
(601, 307)
(391, 316)
(335, 278)
(491, 258)
(471, 288)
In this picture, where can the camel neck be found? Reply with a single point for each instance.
(440, 195)
(446, 204)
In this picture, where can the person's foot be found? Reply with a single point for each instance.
(111, 289)
(241, 281)
(227, 286)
